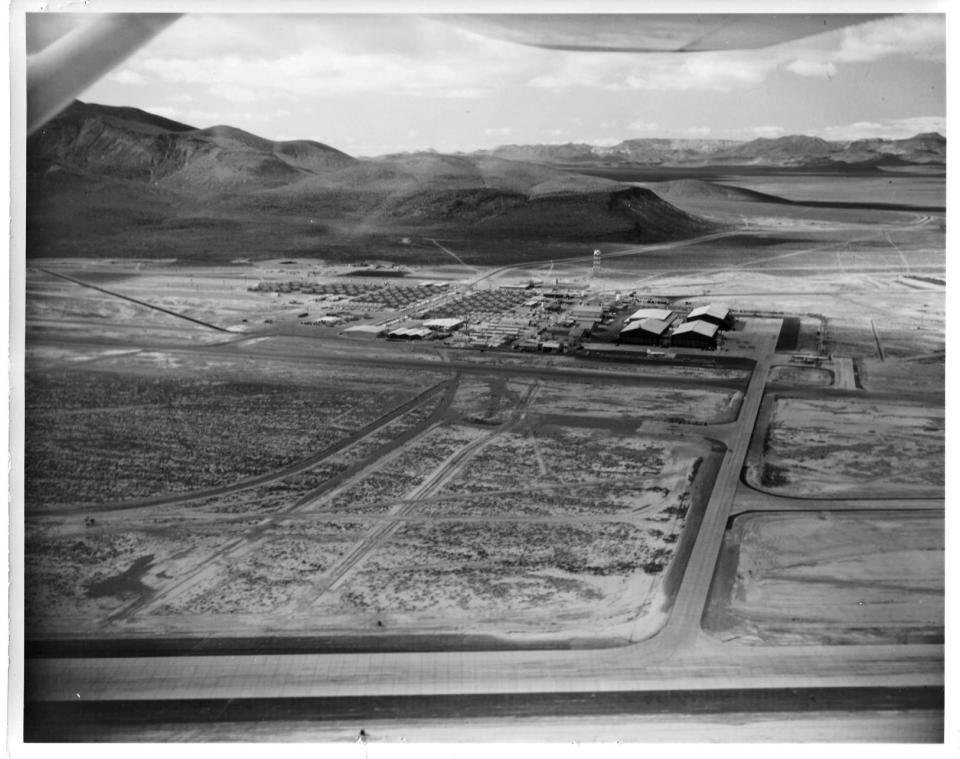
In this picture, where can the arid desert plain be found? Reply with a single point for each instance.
(232, 494)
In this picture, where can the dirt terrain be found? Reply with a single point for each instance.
(386, 511)
(852, 446)
(820, 578)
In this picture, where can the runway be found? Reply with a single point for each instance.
(86, 720)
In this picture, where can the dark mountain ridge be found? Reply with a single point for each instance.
(128, 143)
(787, 151)
(119, 181)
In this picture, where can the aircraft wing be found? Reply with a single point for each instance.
(654, 33)
(71, 52)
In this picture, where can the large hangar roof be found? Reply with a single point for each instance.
(364, 329)
(655, 326)
(697, 327)
(446, 324)
(661, 314)
(410, 332)
(711, 309)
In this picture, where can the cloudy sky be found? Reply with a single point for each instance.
(372, 84)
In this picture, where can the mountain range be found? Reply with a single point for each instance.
(109, 181)
(788, 151)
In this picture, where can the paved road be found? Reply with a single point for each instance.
(683, 627)
(843, 377)
(136, 301)
(749, 499)
(331, 350)
(809, 714)
(706, 667)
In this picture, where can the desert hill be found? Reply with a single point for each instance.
(129, 143)
(119, 181)
(792, 149)
(699, 189)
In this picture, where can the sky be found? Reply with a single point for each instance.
(373, 84)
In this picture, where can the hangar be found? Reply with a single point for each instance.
(712, 314)
(409, 333)
(364, 330)
(644, 332)
(660, 314)
(695, 334)
(443, 325)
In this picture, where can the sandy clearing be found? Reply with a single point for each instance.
(850, 446)
(822, 577)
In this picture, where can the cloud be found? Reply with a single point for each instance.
(498, 131)
(126, 76)
(624, 72)
(915, 36)
(320, 73)
(467, 93)
(698, 131)
(234, 93)
(644, 126)
(246, 58)
(605, 142)
(806, 67)
(203, 118)
(910, 37)
(768, 131)
(891, 129)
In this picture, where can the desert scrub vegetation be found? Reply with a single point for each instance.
(96, 437)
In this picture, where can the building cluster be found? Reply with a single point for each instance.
(702, 328)
(359, 296)
(557, 320)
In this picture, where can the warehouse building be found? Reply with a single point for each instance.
(364, 330)
(409, 333)
(660, 314)
(645, 332)
(443, 325)
(587, 312)
(695, 334)
(612, 350)
(712, 314)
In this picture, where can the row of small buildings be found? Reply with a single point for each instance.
(702, 327)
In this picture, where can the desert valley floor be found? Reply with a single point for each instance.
(227, 498)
